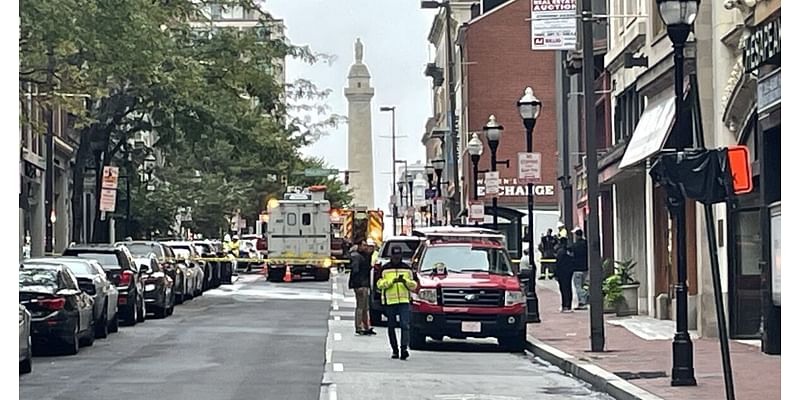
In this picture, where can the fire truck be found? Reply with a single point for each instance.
(358, 224)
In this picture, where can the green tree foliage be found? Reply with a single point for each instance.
(210, 94)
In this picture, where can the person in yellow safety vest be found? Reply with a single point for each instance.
(396, 284)
(372, 251)
(226, 243)
(562, 231)
(235, 246)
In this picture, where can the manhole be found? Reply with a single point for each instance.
(629, 376)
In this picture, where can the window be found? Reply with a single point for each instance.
(627, 113)
(79, 267)
(306, 219)
(70, 282)
(291, 219)
(656, 23)
(38, 280)
(407, 246)
(105, 259)
(466, 259)
(215, 10)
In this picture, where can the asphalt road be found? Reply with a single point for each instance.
(360, 367)
(251, 340)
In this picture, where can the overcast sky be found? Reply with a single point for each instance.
(394, 34)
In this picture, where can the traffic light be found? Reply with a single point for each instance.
(346, 177)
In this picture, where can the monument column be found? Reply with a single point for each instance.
(359, 131)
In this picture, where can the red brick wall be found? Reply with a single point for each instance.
(497, 48)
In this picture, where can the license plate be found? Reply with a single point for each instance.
(469, 326)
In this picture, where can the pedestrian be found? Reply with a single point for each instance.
(396, 284)
(547, 247)
(581, 268)
(564, 268)
(359, 282)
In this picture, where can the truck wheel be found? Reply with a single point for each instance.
(418, 341)
(323, 275)
(514, 344)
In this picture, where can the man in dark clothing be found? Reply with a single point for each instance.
(579, 252)
(359, 282)
(547, 247)
(564, 265)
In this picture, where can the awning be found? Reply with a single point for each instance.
(651, 132)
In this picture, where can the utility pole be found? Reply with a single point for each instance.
(566, 174)
(49, 175)
(593, 225)
(394, 169)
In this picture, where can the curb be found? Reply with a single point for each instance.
(599, 378)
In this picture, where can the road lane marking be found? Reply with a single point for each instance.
(328, 356)
(335, 307)
(337, 318)
(338, 367)
(337, 336)
(332, 392)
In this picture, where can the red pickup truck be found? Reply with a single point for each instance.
(469, 288)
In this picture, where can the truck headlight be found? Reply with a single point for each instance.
(149, 287)
(327, 263)
(514, 297)
(425, 296)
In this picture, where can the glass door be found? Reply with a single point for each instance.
(745, 288)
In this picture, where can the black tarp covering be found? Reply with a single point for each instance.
(698, 174)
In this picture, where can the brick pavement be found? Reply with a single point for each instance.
(756, 375)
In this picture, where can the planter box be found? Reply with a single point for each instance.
(608, 308)
(630, 306)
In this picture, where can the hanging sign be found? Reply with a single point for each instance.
(553, 25)
(108, 200)
(492, 183)
(110, 177)
(476, 211)
(529, 168)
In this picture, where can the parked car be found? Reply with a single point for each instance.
(166, 258)
(206, 249)
(158, 295)
(93, 281)
(186, 254)
(409, 245)
(249, 248)
(25, 345)
(61, 314)
(120, 269)
(468, 288)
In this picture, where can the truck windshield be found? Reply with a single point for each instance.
(465, 258)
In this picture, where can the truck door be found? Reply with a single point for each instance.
(292, 230)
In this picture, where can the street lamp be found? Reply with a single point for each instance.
(493, 132)
(409, 179)
(529, 108)
(429, 172)
(438, 167)
(678, 16)
(451, 94)
(475, 149)
(394, 161)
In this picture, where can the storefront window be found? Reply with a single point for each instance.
(748, 240)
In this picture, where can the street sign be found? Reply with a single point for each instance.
(553, 25)
(110, 177)
(476, 211)
(492, 180)
(108, 200)
(529, 168)
(739, 160)
(320, 172)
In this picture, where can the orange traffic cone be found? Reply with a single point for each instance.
(264, 270)
(287, 276)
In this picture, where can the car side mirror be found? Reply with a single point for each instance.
(144, 269)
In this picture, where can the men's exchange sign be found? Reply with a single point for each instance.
(553, 24)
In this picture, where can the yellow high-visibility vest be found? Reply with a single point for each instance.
(396, 292)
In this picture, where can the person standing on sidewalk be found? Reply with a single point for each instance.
(547, 248)
(396, 284)
(564, 270)
(359, 282)
(581, 266)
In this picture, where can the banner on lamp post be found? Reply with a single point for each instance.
(553, 25)
(108, 200)
(476, 212)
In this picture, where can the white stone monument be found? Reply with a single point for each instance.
(359, 132)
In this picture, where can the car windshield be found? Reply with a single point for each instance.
(79, 268)
(105, 259)
(38, 280)
(181, 252)
(408, 247)
(203, 248)
(466, 258)
(142, 249)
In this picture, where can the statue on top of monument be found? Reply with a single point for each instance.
(359, 51)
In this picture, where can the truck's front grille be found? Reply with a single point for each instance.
(472, 297)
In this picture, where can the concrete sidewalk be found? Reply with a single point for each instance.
(637, 362)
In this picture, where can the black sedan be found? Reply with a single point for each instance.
(25, 347)
(158, 294)
(61, 314)
(166, 257)
(92, 280)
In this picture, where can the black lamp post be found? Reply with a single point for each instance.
(438, 168)
(678, 16)
(493, 132)
(475, 149)
(429, 172)
(529, 107)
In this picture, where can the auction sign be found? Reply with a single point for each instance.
(553, 24)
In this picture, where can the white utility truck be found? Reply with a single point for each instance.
(299, 236)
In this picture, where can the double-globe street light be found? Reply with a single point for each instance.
(475, 149)
(678, 16)
(529, 108)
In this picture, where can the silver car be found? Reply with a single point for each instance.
(25, 350)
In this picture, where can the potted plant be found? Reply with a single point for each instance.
(629, 287)
(612, 292)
